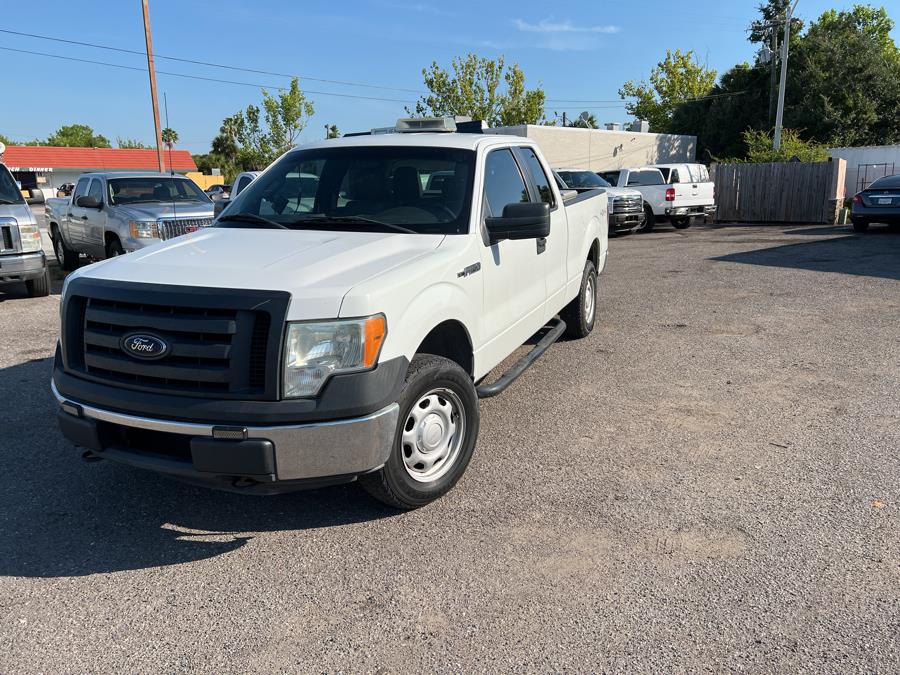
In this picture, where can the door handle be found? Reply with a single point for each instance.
(541, 244)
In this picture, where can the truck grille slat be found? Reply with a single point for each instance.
(170, 228)
(220, 344)
(628, 204)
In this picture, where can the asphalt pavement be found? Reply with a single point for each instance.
(710, 481)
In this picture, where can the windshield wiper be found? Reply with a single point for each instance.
(7, 201)
(252, 218)
(351, 220)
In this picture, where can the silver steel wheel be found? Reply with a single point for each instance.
(433, 434)
(590, 300)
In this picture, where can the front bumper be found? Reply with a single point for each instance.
(261, 459)
(626, 221)
(22, 266)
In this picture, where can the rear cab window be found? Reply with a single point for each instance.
(645, 177)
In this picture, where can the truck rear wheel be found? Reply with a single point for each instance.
(67, 258)
(681, 223)
(581, 313)
(435, 436)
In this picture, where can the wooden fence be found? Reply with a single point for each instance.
(782, 192)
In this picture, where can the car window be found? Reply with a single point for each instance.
(153, 189)
(242, 183)
(81, 189)
(583, 179)
(9, 191)
(503, 182)
(647, 177)
(538, 176)
(96, 190)
(674, 177)
(611, 177)
(887, 182)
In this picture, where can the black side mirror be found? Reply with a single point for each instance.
(219, 206)
(88, 202)
(521, 220)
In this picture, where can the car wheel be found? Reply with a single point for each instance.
(650, 220)
(581, 313)
(681, 223)
(114, 248)
(39, 287)
(67, 258)
(860, 225)
(435, 436)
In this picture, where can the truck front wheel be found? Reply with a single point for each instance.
(649, 220)
(435, 436)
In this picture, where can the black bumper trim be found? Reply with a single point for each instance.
(344, 396)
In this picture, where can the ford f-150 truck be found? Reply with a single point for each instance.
(667, 198)
(307, 339)
(110, 214)
(626, 206)
(21, 254)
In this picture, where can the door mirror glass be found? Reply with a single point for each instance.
(88, 202)
(520, 220)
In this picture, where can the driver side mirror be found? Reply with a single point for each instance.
(520, 220)
(88, 202)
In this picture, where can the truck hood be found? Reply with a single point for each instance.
(154, 210)
(317, 268)
(622, 192)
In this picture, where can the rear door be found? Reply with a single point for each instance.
(77, 216)
(513, 271)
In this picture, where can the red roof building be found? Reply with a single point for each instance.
(43, 158)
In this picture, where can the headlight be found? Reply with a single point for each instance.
(31, 238)
(314, 351)
(144, 229)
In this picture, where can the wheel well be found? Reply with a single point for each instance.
(110, 237)
(450, 340)
(594, 254)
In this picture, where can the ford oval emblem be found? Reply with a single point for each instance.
(144, 346)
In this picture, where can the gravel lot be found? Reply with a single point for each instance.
(709, 482)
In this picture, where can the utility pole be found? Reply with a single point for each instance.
(152, 70)
(773, 77)
(785, 47)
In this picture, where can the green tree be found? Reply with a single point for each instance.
(676, 79)
(333, 131)
(590, 122)
(129, 143)
(760, 147)
(483, 89)
(77, 136)
(169, 136)
(286, 115)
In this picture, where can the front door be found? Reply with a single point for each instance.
(95, 223)
(513, 271)
(75, 223)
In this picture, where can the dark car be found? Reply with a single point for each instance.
(878, 203)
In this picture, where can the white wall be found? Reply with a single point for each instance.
(599, 149)
(859, 177)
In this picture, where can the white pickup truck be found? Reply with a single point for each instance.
(308, 339)
(677, 193)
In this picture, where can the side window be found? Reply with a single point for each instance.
(80, 189)
(242, 183)
(96, 190)
(634, 179)
(503, 182)
(675, 177)
(538, 176)
(611, 177)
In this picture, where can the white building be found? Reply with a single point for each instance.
(602, 149)
(865, 164)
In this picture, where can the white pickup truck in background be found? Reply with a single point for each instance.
(338, 320)
(678, 203)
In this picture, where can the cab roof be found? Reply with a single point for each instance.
(457, 140)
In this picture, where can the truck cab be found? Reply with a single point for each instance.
(338, 321)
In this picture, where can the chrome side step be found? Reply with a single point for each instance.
(557, 327)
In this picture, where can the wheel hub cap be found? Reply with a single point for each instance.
(432, 435)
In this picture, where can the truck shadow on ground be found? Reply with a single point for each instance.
(64, 517)
(873, 254)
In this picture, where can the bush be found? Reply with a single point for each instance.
(759, 147)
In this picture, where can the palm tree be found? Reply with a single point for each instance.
(169, 136)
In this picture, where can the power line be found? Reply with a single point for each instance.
(206, 63)
(201, 77)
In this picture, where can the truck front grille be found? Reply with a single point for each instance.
(175, 227)
(628, 204)
(226, 348)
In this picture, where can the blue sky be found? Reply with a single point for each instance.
(578, 51)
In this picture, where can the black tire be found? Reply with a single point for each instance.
(580, 314)
(39, 287)
(860, 225)
(114, 248)
(681, 223)
(68, 259)
(393, 484)
(649, 221)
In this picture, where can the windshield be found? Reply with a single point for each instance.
(413, 189)
(153, 189)
(9, 191)
(583, 179)
(886, 182)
